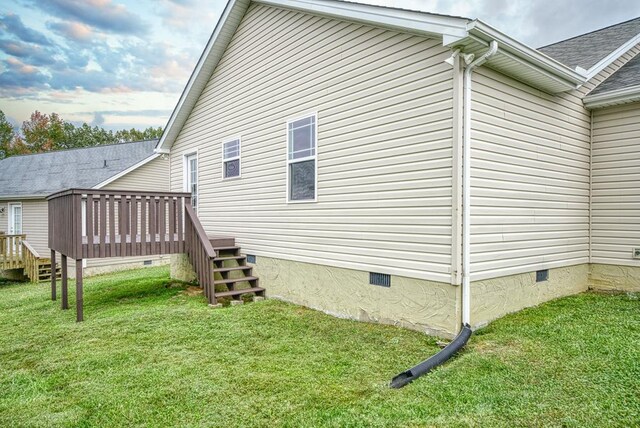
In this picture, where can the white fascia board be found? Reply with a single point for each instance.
(126, 171)
(401, 19)
(619, 96)
(531, 56)
(606, 61)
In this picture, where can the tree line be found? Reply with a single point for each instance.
(47, 132)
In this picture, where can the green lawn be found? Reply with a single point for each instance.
(150, 355)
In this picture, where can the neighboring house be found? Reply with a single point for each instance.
(25, 181)
(328, 138)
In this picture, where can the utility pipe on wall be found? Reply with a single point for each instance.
(466, 183)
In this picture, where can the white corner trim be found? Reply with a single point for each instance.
(127, 171)
(619, 96)
(606, 61)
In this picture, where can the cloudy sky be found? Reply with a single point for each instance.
(123, 63)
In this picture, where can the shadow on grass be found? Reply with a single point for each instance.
(115, 290)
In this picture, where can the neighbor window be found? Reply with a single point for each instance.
(301, 159)
(231, 159)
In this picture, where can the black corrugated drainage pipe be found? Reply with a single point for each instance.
(434, 361)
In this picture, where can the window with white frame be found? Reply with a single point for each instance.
(301, 159)
(231, 159)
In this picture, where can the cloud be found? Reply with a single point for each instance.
(98, 119)
(75, 31)
(144, 112)
(102, 14)
(30, 53)
(12, 24)
(20, 76)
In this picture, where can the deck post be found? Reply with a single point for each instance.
(65, 276)
(53, 275)
(79, 297)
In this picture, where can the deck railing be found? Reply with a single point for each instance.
(11, 251)
(200, 252)
(90, 223)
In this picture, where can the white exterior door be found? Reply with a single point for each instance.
(15, 219)
(191, 178)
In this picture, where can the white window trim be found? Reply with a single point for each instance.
(239, 157)
(185, 169)
(314, 157)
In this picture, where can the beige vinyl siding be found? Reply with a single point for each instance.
(615, 222)
(384, 105)
(152, 177)
(35, 224)
(4, 217)
(530, 178)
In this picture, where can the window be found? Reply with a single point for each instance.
(301, 159)
(231, 159)
(191, 178)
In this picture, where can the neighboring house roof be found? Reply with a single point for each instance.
(587, 50)
(473, 36)
(38, 175)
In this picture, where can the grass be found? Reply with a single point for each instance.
(150, 355)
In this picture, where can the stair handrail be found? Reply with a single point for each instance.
(30, 258)
(200, 252)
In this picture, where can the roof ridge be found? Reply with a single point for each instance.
(589, 32)
(81, 148)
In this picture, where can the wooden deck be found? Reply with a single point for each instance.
(89, 224)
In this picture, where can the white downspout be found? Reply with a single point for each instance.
(466, 183)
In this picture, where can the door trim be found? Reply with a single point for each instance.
(11, 206)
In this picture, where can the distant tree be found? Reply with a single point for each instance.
(6, 136)
(132, 134)
(86, 136)
(43, 133)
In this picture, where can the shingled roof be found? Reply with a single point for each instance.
(41, 174)
(587, 50)
(625, 77)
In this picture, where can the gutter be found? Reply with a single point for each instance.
(408, 376)
(617, 96)
(572, 78)
(12, 198)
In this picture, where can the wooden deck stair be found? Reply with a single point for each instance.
(44, 271)
(232, 276)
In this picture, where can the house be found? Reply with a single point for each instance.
(26, 181)
(329, 138)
